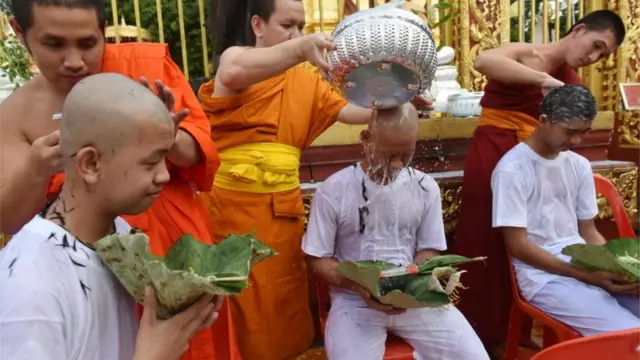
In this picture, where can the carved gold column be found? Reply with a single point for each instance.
(627, 70)
(481, 25)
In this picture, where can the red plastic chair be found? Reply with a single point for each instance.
(519, 309)
(620, 345)
(605, 187)
(396, 348)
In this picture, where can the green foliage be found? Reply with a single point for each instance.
(619, 256)
(15, 62)
(192, 26)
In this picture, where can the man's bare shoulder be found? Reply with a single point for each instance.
(27, 113)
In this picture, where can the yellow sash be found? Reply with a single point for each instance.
(267, 167)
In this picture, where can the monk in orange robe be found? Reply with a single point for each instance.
(264, 109)
(518, 75)
(30, 152)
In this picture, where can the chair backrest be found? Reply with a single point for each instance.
(605, 187)
(621, 345)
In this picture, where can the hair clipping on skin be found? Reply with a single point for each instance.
(57, 116)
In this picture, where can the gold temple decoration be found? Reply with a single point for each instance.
(127, 33)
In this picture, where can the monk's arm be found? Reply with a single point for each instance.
(505, 64)
(521, 248)
(241, 67)
(185, 151)
(354, 115)
(22, 190)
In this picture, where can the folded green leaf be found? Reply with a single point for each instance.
(435, 284)
(188, 270)
(619, 256)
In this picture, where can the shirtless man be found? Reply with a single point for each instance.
(57, 298)
(66, 40)
(402, 224)
(544, 199)
(518, 74)
(265, 108)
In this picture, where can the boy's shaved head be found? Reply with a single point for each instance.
(402, 118)
(105, 110)
(114, 135)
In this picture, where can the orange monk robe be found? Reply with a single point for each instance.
(272, 316)
(178, 210)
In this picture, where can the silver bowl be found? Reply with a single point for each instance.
(384, 57)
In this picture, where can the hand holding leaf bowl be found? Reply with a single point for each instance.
(432, 283)
(619, 256)
(188, 270)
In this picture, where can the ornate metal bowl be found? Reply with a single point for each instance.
(384, 57)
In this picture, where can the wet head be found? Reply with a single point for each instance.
(567, 115)
(390, 141)
(597, 35)
(65, 37)
(276, 21)
(115, 134)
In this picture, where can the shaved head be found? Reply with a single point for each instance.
(115, 135)
(105, 110)
(390, 141)
(402, 118)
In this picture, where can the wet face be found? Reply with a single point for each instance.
(388, 150)
(563, 136)
(588, 47)
(66, 43)
(287, 22)
(132, 175)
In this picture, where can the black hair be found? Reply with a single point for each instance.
(229, 21)
(22, 10)
(603, 20)
(569, 102)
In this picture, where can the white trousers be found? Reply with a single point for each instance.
(588, 309)
(356, 332)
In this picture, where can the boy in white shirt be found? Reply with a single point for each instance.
(544, 199)
(380, 209)
(57, 299)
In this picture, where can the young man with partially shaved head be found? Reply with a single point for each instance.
(66, 40)
(381, 209)
(58, 300)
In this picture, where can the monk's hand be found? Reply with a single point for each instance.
(166, 95)
(45, 156)
(312, 49)
(374, 303)
(422, 103)
(168, 339)
(549, 83)
(612, 283)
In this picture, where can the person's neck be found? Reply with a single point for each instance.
(45, 85)
(76, 213)
(554, 54)
(538, 146)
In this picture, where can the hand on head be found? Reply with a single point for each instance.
(168, 339)
(549, 83)
(166, 95)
